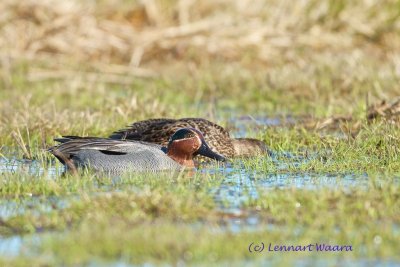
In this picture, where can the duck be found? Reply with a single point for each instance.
(118, 156)
(158, 131)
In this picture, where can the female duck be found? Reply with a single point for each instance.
(159, 130)
(102, 154)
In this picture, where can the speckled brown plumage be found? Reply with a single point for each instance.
(159, 130)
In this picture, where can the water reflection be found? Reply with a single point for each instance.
(238, 185)
(34, 205)
(241, 186)
(14, 246)
(31, 167)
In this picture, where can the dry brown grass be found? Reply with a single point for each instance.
(72, 67)
(134, 34)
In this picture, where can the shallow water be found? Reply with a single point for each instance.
(15, 245)
(238, 186)
(33, 205)
(11, 246)
(31, 167)
(240, 126)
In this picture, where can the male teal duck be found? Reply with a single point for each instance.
(158, 131)
(117, 156)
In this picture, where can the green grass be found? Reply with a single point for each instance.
(309, 60)
(171, 220)
(47, 108)
(176, 217)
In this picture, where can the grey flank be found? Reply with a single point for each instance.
(117, 156)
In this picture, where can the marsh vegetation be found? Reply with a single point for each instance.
(306, 77)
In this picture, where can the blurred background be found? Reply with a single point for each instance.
(317, 80)
(75, 63)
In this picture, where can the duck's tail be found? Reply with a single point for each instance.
(63, 157)
(249, 147)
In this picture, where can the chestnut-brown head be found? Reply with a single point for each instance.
(186, 143)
